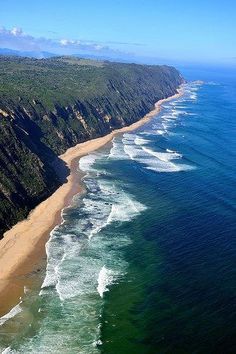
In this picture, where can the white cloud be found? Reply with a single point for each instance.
(66, 42)
(16, 38)
(16, 31)
(98, 46)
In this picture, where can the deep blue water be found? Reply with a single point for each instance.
(145, 261)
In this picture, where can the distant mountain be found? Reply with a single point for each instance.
(45, 55)
(28, 54)
(118, 59)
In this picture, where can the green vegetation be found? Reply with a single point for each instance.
(48, 105)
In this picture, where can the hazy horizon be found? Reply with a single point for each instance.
(156, 32)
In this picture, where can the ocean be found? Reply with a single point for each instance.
(144, 261)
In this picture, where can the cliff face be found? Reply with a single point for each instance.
(47, 106)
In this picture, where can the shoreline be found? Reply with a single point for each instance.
(22, 250)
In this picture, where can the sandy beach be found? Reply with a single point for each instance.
(22, 250)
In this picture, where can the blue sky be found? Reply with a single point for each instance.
(185, 31)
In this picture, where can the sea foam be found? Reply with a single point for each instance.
(12, 313)
(105, 278)
(70, 271)
(157, 161)
(117, 150)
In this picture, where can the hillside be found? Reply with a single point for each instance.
(49, 105)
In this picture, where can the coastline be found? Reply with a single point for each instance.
(22, 250)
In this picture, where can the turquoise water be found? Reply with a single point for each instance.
(145, 261)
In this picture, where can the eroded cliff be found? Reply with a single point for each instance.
(49, 105)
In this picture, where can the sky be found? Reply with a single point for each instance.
(165, 30)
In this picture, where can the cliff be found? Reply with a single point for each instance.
(49, 105)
